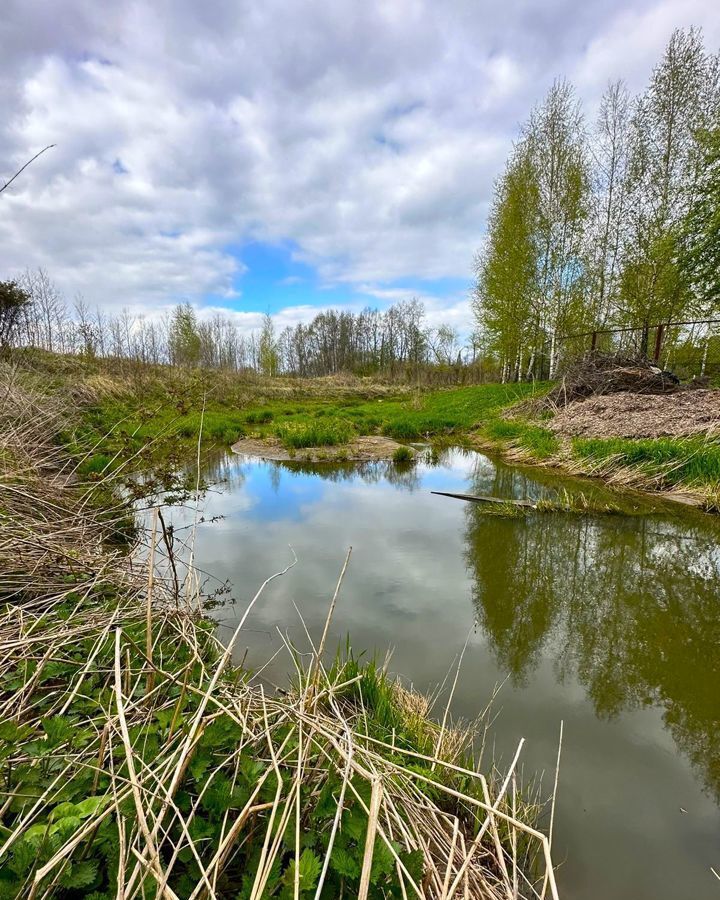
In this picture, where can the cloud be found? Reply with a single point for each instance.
(366, 135)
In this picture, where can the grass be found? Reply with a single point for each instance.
(328, 433)
(150, 417)
(402, 456)
(678, 461)
(536, 440)
(154, 416)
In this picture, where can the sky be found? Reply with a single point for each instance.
(286, 157)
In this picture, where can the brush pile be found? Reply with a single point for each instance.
(609, 373)
(137, 761)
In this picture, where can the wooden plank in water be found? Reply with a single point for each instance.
(474, 498)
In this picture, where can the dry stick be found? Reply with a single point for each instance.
(155, 858)
(121, 858)
(375, 798)
(496, 836)
(171, 556)
(261, 875)
(552, 808)
(452, 693)
(492, 809)
(22, 169)
(148, 606)
(513, 838)
(338, 813)
(301, 760)
(188, 744)
(191, 569)
(323, 639)
(451, 858)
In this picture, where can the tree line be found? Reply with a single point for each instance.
(396, 343)
(609, 224)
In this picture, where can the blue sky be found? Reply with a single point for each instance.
(286, 157)
(273, 277)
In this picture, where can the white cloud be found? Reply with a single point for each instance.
(365, 135)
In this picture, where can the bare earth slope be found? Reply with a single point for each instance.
(641, 415)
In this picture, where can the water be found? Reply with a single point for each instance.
(610, 623)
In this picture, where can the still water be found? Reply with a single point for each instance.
(610, 623)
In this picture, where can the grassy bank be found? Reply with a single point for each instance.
(137, 416)
(138, 759)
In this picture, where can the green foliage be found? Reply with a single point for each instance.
(269, 357)
(184, 342)
(14, 300)
(217, 783)
(618, 226)
(700, 253)
(403, 455)
(507, 271)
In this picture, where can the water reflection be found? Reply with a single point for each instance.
(230, 470)
(628, 606)
(607, 622)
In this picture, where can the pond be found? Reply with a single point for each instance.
(610, 623)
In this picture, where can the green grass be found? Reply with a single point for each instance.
(402, 455)
(263, 416)
(95, 464)
(538, 441)
(694, 460)
(328, 433)
(163, 424)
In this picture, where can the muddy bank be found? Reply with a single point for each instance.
(362, 449)
(640, 415)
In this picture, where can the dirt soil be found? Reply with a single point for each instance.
(641, 415)
(362, 449)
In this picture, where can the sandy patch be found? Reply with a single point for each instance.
(362, 449)
(641, 415)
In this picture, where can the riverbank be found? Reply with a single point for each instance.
(137, 755)
(151, 417)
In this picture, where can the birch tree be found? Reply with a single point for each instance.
(556, 144)
(506, 270)
(662, 178)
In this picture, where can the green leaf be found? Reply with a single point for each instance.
(198, 766)
(91, 806)
(415, 864)
(344, 863)
(218, 795)
(13, 733)
(80, 875)
(382, 862)
(354, 823)
(58, 729)
(23, 858)
(309, 868)
(62, 810)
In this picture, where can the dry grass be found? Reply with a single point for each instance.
(137, 761)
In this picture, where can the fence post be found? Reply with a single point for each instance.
(593, 343)
(658, 342)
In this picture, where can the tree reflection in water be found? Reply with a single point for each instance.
(630, 606)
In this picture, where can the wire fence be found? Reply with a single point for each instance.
(689, 348)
